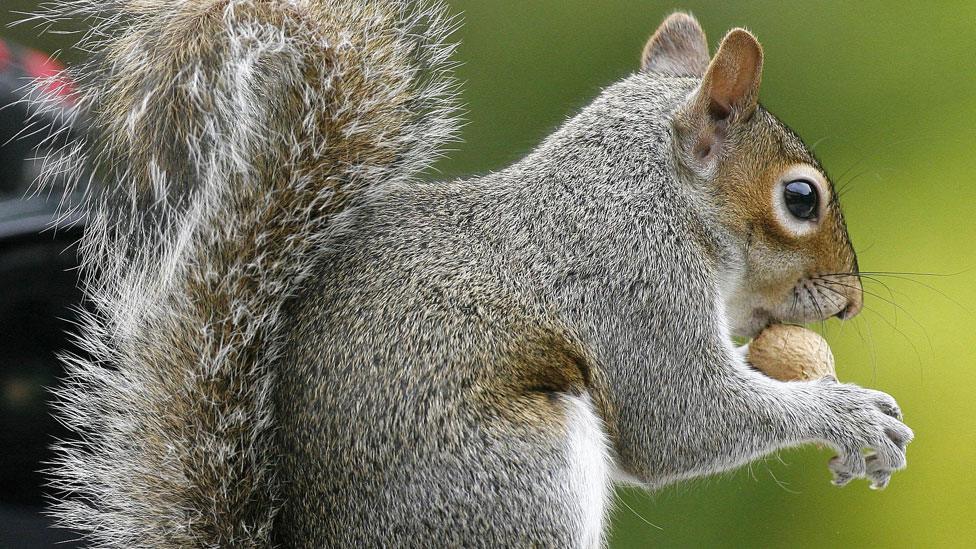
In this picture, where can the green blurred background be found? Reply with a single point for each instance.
(887, 90)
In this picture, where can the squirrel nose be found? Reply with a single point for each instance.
(855, 301)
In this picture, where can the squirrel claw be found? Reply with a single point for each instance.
(841, 479)
(879, 484)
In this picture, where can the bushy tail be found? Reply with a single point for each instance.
(227, 134)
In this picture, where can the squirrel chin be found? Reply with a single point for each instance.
(753, 324)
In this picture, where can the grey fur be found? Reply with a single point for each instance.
(400, 367)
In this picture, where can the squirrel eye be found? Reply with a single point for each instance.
(801, 199)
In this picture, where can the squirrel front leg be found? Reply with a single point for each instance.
(705, 411)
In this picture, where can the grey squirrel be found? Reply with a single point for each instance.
(295, 341)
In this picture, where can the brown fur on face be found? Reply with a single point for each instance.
(789, 270)
(787, 275)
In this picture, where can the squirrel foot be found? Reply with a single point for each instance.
(863, 419)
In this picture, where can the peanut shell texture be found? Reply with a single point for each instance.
(791, 353)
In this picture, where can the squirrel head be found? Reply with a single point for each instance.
(793, 259)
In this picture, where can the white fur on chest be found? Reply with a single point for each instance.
(589, 467)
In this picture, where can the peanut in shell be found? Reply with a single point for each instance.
(791, 353)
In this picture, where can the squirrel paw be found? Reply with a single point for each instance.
(864, 419)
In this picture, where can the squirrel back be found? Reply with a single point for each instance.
(228, 135)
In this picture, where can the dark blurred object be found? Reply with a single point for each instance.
(24, 135)
(38, 296)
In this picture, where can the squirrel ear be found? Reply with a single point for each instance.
(678, 47)
(731, 83)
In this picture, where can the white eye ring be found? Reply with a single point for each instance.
(782, 214)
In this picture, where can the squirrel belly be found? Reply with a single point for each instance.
(468, 400)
